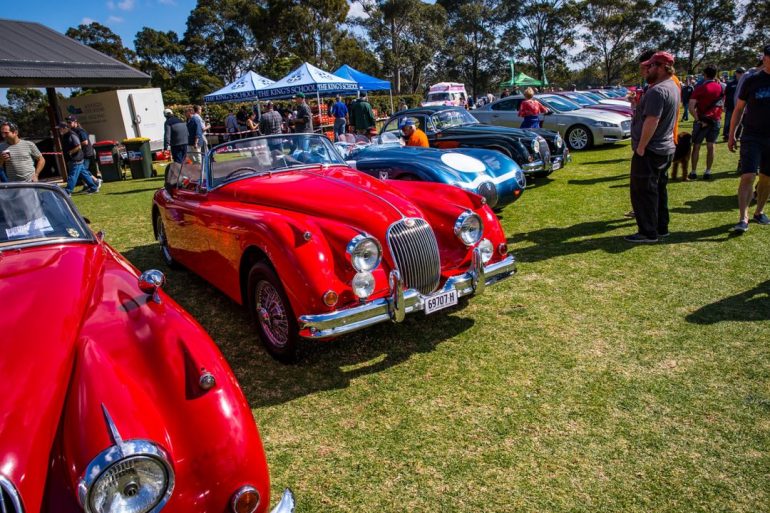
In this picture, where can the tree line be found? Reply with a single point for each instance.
(413, 44)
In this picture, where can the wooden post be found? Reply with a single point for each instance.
(54, 118)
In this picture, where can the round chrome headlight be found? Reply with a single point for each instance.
(365, 253)
(487, 250)
(133, 477)
(469, 228)
(559, 142)
(535, 145)
(363, 284)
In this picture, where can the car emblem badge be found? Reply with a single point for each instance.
(409, 223)
(73, 232)
(383, 175)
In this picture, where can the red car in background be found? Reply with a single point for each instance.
(114, 398)
(315, 249)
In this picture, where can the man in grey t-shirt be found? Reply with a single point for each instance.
(21, 159)
(652, 139)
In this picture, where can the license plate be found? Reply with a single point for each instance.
(556, 165)
(440, 301)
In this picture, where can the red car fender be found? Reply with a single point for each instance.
(142, 361)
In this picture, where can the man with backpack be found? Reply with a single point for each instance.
(706, 104)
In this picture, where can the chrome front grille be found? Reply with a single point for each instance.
(10, 502)
(489, 192)
(415, 252)
(545, 150)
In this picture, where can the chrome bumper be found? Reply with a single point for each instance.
(532, 167)
(286, 504)
(401, 302)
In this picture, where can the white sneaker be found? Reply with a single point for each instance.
(98, 184)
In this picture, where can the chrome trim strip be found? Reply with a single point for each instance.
(286, 504)
(337, 323)
(6, 486)
(533, 166)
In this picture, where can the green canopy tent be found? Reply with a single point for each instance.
(522, 79)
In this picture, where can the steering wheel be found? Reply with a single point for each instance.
(240, 170)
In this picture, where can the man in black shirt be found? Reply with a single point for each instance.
(304, 120)
(85, 143)
(687, 89)
(73, 154)
(753, 105)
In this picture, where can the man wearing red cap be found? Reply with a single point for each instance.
(652, 139)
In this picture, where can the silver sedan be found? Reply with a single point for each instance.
(580, 128)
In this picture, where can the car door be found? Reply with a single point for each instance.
(505, 113)
(183, 226)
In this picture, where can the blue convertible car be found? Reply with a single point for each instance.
(489, 173)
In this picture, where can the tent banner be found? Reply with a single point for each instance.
(306, 89)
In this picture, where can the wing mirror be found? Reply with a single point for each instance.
(150, 282)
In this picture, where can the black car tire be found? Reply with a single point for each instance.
(160, 236)
(583, 138)
(270, 308)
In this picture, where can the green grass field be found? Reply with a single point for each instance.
(604, 377)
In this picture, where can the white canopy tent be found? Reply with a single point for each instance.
(307, 79)
(244, 87)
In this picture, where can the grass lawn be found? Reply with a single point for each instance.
(604, 377)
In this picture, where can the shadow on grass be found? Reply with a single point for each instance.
(324, 365)
(554, 242)
(601, 179)
(752, 305)
(610, 161)
(708, 204)
(133, 191)
(537, 181)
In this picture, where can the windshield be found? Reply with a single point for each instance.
(581, 99)
(265, 155)
(449, 118)
(593, 96)
(558, 103)
(439, 97)
(32, 214)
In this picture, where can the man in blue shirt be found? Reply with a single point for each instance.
(340, 113)
(194, 135)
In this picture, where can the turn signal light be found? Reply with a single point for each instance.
(245, 500)
(330, 298)
(503, 249)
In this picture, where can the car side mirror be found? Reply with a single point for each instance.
(150, 282)
(351, 163)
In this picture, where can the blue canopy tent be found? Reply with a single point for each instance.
(243, 88)
(364, 81)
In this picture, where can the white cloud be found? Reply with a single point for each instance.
(126, 5)
(87, 21)
(114, 19)
(356, 10)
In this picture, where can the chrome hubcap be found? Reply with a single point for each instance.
(271, 314)
(578, 139)
(162, 239)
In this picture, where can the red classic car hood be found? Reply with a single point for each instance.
(336, 193)
(45, 293)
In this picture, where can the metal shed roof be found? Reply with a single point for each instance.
(33, 55)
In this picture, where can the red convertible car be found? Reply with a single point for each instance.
(315, 249)
(114, 398)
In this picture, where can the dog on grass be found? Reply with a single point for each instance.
(682, 156)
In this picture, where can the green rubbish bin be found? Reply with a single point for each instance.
(139, 157)
(108, 160)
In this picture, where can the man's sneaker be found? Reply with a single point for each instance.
(707, 175)
(98, 182)
(692, 176)
(761, 218)
(630, 214)
(664, 235)
(741, 227)
(84, 189)
(639, 238)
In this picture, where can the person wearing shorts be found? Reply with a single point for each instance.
(753, 106)
(706, 104)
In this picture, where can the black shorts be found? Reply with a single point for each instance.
(755, 154)
(708, 131)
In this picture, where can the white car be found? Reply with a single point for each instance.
(580, 128)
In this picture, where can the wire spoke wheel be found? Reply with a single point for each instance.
(271, 314)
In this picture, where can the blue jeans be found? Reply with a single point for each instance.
(531, 122)
(339, 128)
(3, 176)
(178, 153)
(76, 169)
